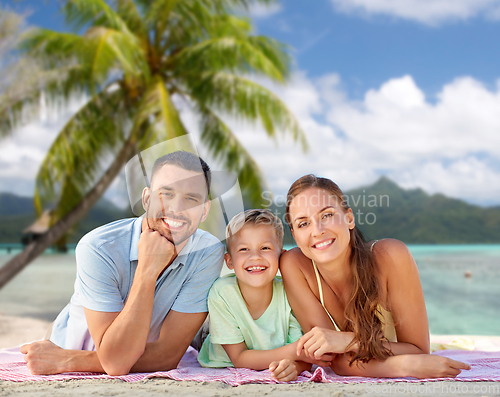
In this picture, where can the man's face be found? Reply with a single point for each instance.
(176, 202)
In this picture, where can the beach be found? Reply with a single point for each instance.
(18, 330)
(455, 305)
(165, 387)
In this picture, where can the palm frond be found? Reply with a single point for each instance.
(98, 54)
(232, 54)
(82, 14)
(226, 148)
(108, 49)
(245, 99)
(129, 13)
(160, 116)
(20, 102)
(76, 156)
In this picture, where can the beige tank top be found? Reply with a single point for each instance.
(387, 320)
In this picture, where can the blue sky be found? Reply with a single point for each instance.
(404, 88)
(368, 50)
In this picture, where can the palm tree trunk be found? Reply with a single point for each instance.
(35, 248)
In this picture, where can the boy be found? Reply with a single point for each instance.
(251, 323)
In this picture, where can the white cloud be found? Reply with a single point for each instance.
(431, 12)
(450, 145)
(257, 10)
(24, 150)
(468, 178)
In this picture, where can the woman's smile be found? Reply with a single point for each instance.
(324, 244)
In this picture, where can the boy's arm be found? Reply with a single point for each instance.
(241, 357)
(286, 370)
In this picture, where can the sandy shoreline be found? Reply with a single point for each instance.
(166, 387)
(18, 330)
(15, 331)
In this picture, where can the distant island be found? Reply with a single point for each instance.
(382, 210)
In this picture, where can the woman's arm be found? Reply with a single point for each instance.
(420, 366)
(295, 268)
(403, 293)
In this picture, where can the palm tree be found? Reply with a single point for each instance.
(133, 59)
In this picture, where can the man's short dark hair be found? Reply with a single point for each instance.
(187, 161)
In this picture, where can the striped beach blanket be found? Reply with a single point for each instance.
(485, 367)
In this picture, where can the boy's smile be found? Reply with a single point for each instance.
(254, 255)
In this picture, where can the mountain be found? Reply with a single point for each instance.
(381, 210)
(414, 216)
(17, 213)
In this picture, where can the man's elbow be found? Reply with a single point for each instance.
(117, 370)
(169, 363)
(118, 364)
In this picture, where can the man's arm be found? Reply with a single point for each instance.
(178, 330)
(120, 338)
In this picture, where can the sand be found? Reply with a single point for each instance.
(17, 330)
(166, 387)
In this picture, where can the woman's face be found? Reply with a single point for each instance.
(320, 226)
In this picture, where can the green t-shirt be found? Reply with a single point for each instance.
(231, 323)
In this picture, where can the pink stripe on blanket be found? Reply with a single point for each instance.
(485, 367)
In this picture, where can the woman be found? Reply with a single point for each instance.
(361, 302)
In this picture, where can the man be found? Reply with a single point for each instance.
(142, 284)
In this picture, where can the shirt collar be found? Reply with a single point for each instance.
(136, 235)
(134, 248)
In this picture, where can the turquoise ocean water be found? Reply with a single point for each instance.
(455, 304)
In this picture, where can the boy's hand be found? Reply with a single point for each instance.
(284, 370)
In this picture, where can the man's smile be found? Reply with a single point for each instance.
(173, 224)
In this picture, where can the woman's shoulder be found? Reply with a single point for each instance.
(389, 246)
(294, 258)
(391, 253)
(293, 261)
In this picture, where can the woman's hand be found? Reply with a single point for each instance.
(432, 366)
(285, 370)
(320, 341)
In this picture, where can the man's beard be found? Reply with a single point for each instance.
(155, 222)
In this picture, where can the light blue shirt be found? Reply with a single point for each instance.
(106, 260)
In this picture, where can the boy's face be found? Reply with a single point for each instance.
(254, 255)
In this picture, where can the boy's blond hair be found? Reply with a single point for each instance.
(255, 217)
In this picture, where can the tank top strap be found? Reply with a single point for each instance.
(320, 287)
(371, 247)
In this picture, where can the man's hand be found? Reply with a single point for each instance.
(155, 252)
(45, 358)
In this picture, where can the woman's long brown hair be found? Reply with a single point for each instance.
(362, 311)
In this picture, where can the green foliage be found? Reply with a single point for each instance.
(415, 217)
(17, 213)
(132, 58)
